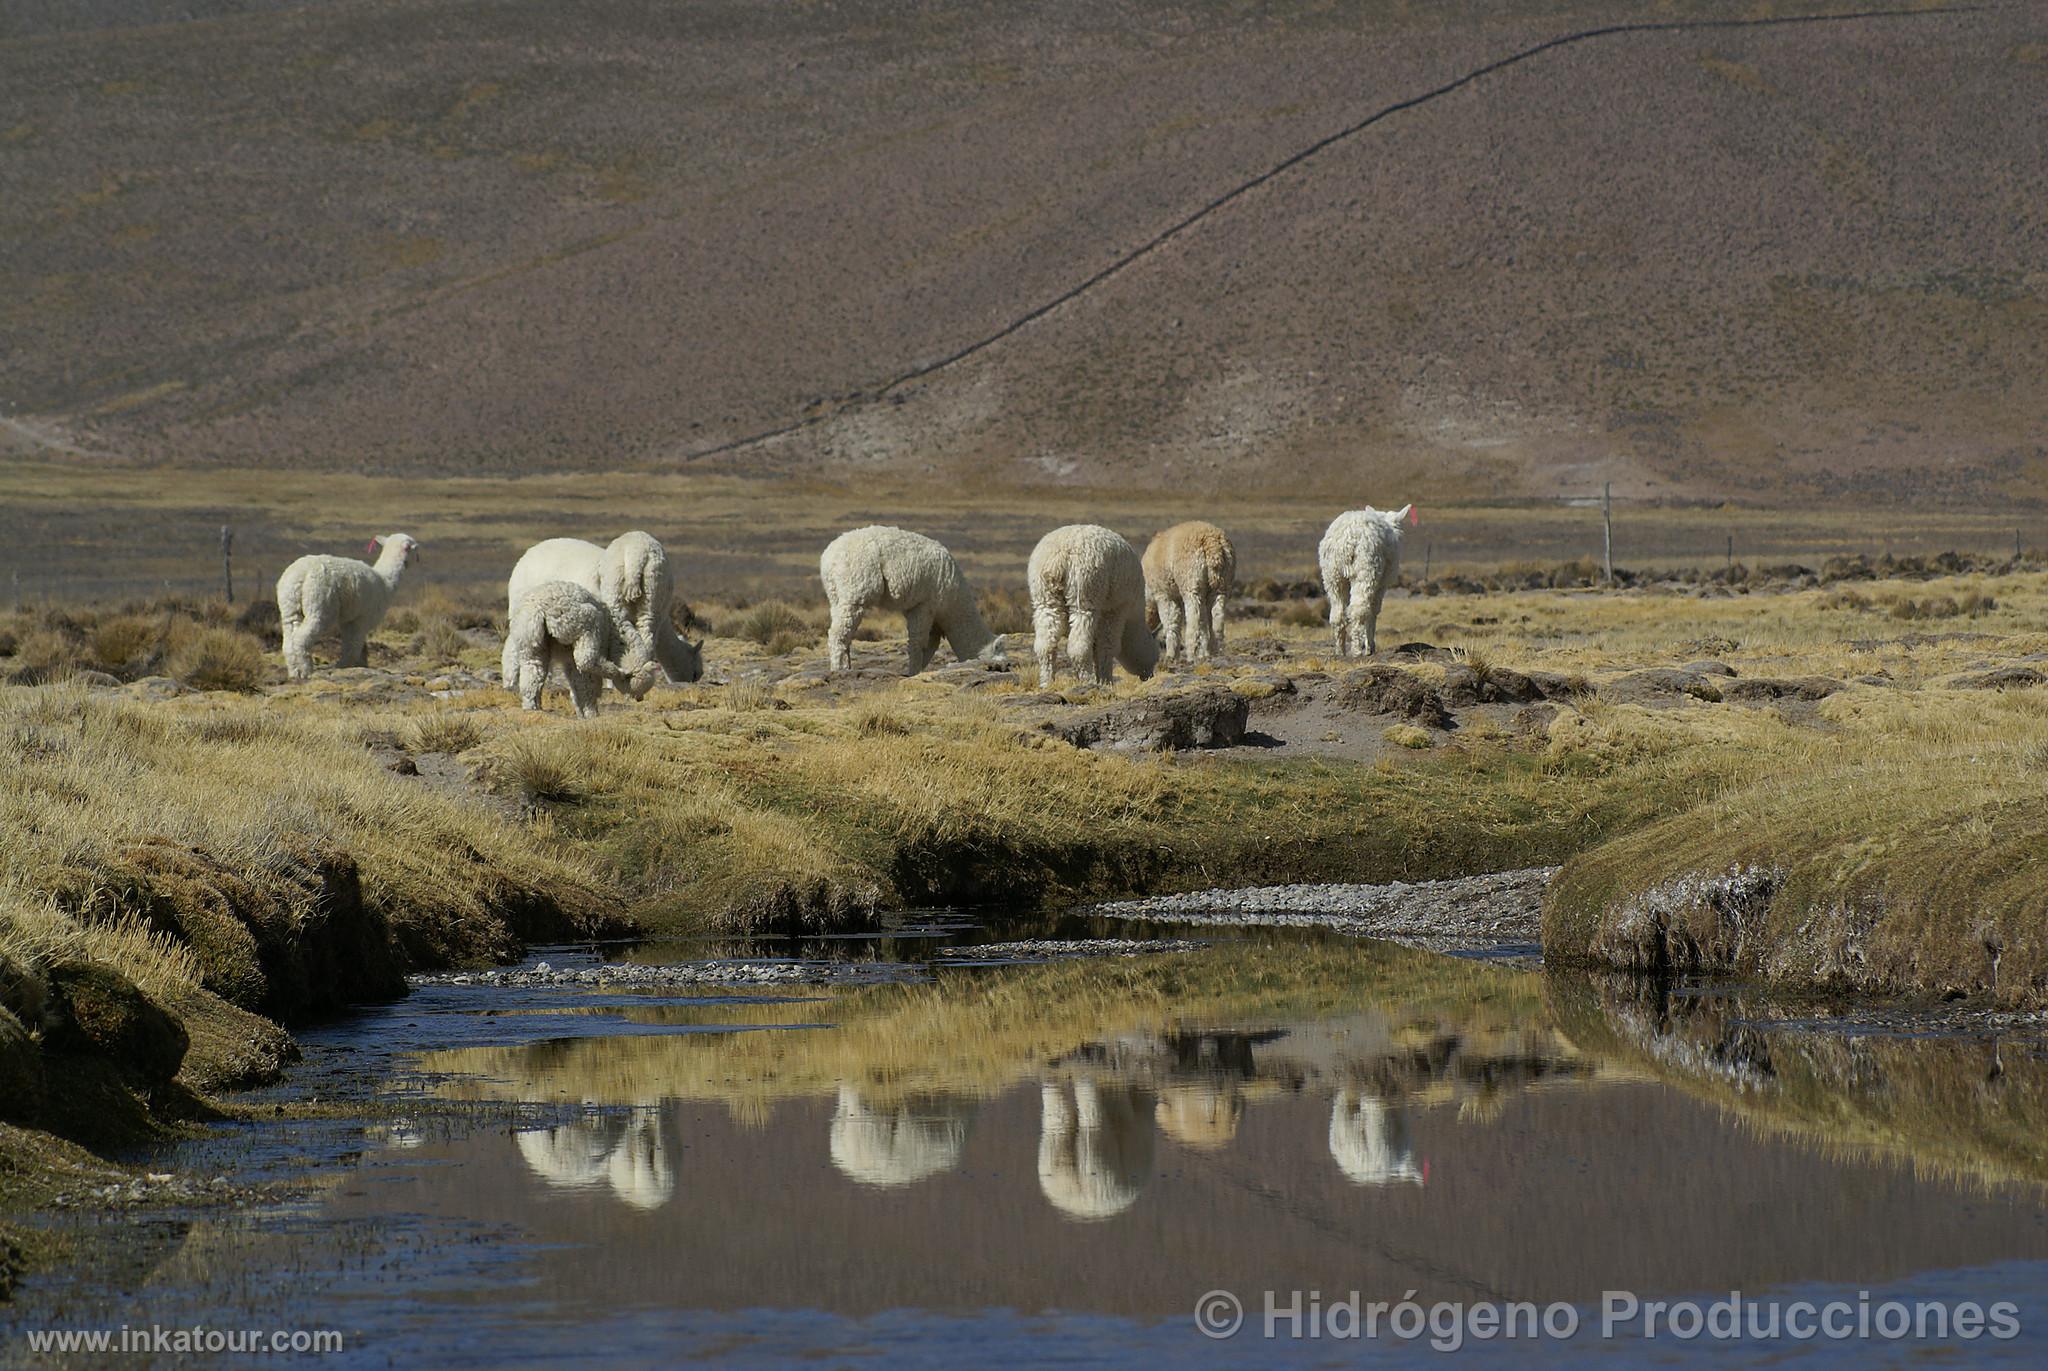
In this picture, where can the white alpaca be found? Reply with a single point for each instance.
(318, 595)
(557, 624)
(1189, 571)
(631, 576)
(891, 568)
(1359, 555)
(901, 1146)
(1088, 592)
(1094, 1150)
(1369, 1141)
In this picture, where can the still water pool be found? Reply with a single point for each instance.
(1053, 1163)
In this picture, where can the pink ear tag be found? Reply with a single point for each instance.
(1414, 517)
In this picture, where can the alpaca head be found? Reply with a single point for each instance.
(404, 546)
(1397, 519)
(1139, 651)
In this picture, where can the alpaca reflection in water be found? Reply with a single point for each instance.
(625, 1153)
(902, 1146)
(1204, 1117)
(1369, 1139)
(1094, 1147)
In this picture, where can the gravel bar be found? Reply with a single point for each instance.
(1503, 911)
(1048, 949)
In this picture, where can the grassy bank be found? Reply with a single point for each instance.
(188, 865)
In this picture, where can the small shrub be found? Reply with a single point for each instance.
(1845, 599)
(8, 642)
(440, 641)
(217, 659)
(1006, 609)
(47, 651)
(449, 733)
(403, 620)
(123, 644)
(1408, 735)
(240, 727)
(786, 642)
(764, 622)
(1305, 613)
(1976, 604)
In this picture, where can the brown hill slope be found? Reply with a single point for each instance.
(1781, 261)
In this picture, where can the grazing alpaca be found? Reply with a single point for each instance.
(1088, 592)
(892, 568)
(631, 576)
(318, 595)
(559, 624)
(1095, 1146)
(1359, 555)
(1189, 571)
(911, 1142)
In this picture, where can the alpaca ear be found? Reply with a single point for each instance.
(1406, 515)
(371, 546)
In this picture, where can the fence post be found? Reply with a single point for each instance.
(1607, 532)
(227, 561)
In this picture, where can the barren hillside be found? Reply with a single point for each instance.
(1774, 261)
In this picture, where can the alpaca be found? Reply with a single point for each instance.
(891, 568)
(631, 576)
(1088, 591)
(559, 624)
(1189, 571)
(911, 1142)
(1358, 556)
(318, 595)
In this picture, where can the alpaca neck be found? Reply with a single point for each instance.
(390, 565)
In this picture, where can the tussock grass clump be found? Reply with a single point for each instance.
(544, 766)
(125, 644)
(747, 697)
(874, 720)
(1006, 609)
(217, 659)
(440, 642)
(769, 623)
(449, 732)
(1408, 735)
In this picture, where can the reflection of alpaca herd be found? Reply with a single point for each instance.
(1096, 1142)
(595, 614)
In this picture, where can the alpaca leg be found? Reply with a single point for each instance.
(917, 625)
(1340, 619)
(1197, 615)
(1371, 617)
(355, 645)
(1084, 640)
(298, 645)
(529, 675)
(1109, 634)
(583, 691)
(1169, 626)
(1049, 627)
(1216, 620)
(845, 622)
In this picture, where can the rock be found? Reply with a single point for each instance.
(1665, 682)
(1423, 652)
(1207, 716)
(98, 680)
(99, 1012)
(21, 1072)
(1764, 688)
(155, 688)
(2004, 678)
(1495, 685)
(1708, 668)
(404, 766)
(1390, 690)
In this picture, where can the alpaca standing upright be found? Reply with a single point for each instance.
(318, 595)
(1359, 555)
(1189, 571)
